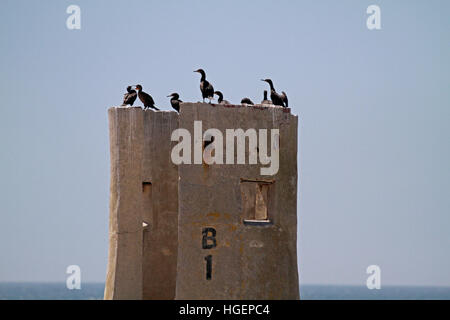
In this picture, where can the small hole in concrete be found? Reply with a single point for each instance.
(146, 186)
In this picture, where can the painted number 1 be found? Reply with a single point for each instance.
(208, 260)
(209, 242)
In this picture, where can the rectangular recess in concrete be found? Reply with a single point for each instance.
(256, 197)
(147, 203)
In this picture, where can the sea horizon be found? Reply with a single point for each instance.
(52, 290)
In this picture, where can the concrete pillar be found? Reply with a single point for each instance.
(143, 205)
(201, 231)
(237, 227)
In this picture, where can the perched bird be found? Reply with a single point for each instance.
(265, 100)
(146, 99)
(247, 101)
(205, 87)
(220, 100)
(277, 99)
(285, 99)
(175, 101)
(129, 97)
(207, 141)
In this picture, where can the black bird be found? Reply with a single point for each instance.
(175, 101)
(247, 101)
(277, 99)
(220, 100)
(265, 100)
(146, 99)
(205, 87)
(130, 97)
(208, 141)
(285, 99)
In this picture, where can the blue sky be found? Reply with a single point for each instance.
(374, 178)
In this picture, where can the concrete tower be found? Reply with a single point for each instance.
(220, 225)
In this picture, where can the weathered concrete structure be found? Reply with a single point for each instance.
(143, 222)
(199, 231)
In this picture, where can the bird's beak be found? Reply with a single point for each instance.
(169, 95)
(263, 80)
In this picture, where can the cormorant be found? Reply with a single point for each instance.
(205, 87)
(220, 100)
(130, 97)
(146, 99)
(285, 99)
(277, 99)
(247, 101)
(265, 100)
(175, 101)
(208, 141)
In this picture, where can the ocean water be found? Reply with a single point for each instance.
(49, 291)
(322, 292)
(94, 291)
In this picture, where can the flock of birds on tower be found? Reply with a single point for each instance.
(207, 93)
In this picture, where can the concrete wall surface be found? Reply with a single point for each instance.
(143, 222)
(219, 255)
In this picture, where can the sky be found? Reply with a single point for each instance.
(373, 107)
